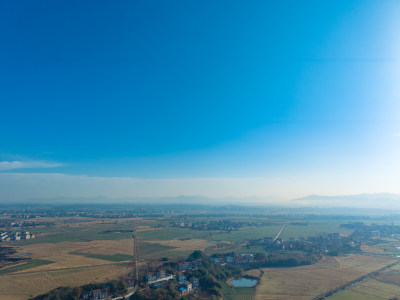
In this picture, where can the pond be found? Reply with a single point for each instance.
(24, 254)
(243, 282)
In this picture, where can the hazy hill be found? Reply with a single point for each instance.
(381, 200)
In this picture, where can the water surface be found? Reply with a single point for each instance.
(243, 282)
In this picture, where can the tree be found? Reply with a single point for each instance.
(197, 254)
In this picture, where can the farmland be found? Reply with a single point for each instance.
(74, 250)
(25, 266)
(21, 286)
(307, 282)
(385, 285)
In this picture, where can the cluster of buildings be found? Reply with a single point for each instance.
(104, 293)
(187, 286)
(326, 243)
(189, 265)
(160, 279)
(236, 259)
(213, 225)
(96, 294)
(6, 236)
(362, 231)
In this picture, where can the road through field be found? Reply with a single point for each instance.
(310, 281)
(280, 231)
(354, 282)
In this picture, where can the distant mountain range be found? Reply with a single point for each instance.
(158, 200)
(381, 200)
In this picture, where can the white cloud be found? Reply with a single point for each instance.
(11, 165)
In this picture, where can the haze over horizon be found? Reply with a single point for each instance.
(218, 99)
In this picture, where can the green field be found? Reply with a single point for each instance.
(238, 293)
(296, 231)
(153, 250)
(170, 233)
(28, 265)
(115, 257)
(241, 235)
(245, 234)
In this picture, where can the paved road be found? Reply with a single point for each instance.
(130, 293)
(279, 233)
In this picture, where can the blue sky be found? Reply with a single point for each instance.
(218, 98)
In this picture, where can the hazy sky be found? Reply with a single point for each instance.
(214, 98)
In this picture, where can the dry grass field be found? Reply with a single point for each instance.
(22, 285)
(306, 282)
(68, 269)
(72, 267)
(63, 257)
(255, 273)
(385, 285)
(370, 289)
(376, 249)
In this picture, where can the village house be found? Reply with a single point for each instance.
(228, 259)
(129, 282)
(181, 278)
(184, 266)
(188, 285)
(100, 294)
(183, 291)
(160, 273)
(195, 283)
(86, 295)
(151, 277)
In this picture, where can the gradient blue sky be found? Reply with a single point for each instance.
(214, 98)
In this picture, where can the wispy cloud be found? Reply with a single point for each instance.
(11, 165)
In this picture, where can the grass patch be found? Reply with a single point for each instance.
(170, 233)
(115, 257)
(243, 234)
(153, 250)
(238, 293)
(28, 265)
(123, 264)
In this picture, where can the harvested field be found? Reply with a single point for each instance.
(306, 282)
(63, 253)
(255, 273)
(372, 249)
(370, 289)
(22, 286)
